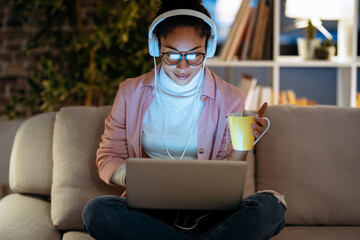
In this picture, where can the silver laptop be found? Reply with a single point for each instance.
(184, 184)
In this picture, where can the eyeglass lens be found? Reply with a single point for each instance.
(190, 58)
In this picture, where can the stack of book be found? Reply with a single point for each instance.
(255, 95)
(289, 97)
(251, 35)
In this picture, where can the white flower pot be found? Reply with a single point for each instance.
(306, 47)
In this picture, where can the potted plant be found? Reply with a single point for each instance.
(326, 51)
(307, 46)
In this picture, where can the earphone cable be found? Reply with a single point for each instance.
(157, 92)
(197, 92)
(195, 224)
(162, 110)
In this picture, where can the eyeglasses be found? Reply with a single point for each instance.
(173, 58)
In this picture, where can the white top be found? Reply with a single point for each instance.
(182, 108)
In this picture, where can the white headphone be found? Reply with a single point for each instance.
(154, 42)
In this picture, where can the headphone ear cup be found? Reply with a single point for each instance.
(211, 47)
(154, 46)
(150, 45)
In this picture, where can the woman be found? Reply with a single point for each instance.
(177, 111)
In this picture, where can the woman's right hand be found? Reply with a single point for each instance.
(123, 194)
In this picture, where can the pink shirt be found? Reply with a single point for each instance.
(123, 126)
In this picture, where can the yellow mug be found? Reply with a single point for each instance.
(241, 132)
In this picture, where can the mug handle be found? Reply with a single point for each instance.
(267, 127)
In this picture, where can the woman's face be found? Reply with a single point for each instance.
(182, 40)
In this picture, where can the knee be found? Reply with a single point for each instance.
(265, 213)
(97, 210)
(274, 208)
(90, 212)
(278, 196)
(267, 206)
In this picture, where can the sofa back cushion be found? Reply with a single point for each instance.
(249, 187)
(31, 156)
(77, 134)
(311, 155)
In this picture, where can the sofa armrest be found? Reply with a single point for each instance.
(26, 217)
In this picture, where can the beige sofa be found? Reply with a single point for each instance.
(311, 155)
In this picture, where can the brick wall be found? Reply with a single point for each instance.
(14, 65)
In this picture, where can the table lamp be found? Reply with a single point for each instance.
(311, 12)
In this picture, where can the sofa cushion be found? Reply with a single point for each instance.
(318, 232)
(311, 155)
(249, 187)
(26, 217)
(76, 235)
(8, 131)
(31, 157)
(77, 134)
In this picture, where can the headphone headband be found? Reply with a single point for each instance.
(154, 43)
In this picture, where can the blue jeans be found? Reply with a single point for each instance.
(260, 216)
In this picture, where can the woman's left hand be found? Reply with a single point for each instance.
(260, 121)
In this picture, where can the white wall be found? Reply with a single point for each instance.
(7, 133)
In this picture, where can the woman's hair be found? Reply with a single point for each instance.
(169, 24)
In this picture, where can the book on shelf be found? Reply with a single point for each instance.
(234, 32)
(255, 99)
(260, 29)
(289, 97)
(268, 45)
(250, 36)
(283, 98)
(247, 86)
(305, 102)
(245, 51)
(261, 95)
(266, 95)
(238, 42)
(255, 95)
(239, 35)
(358, 100)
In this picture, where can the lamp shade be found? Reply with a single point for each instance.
(322, 9)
